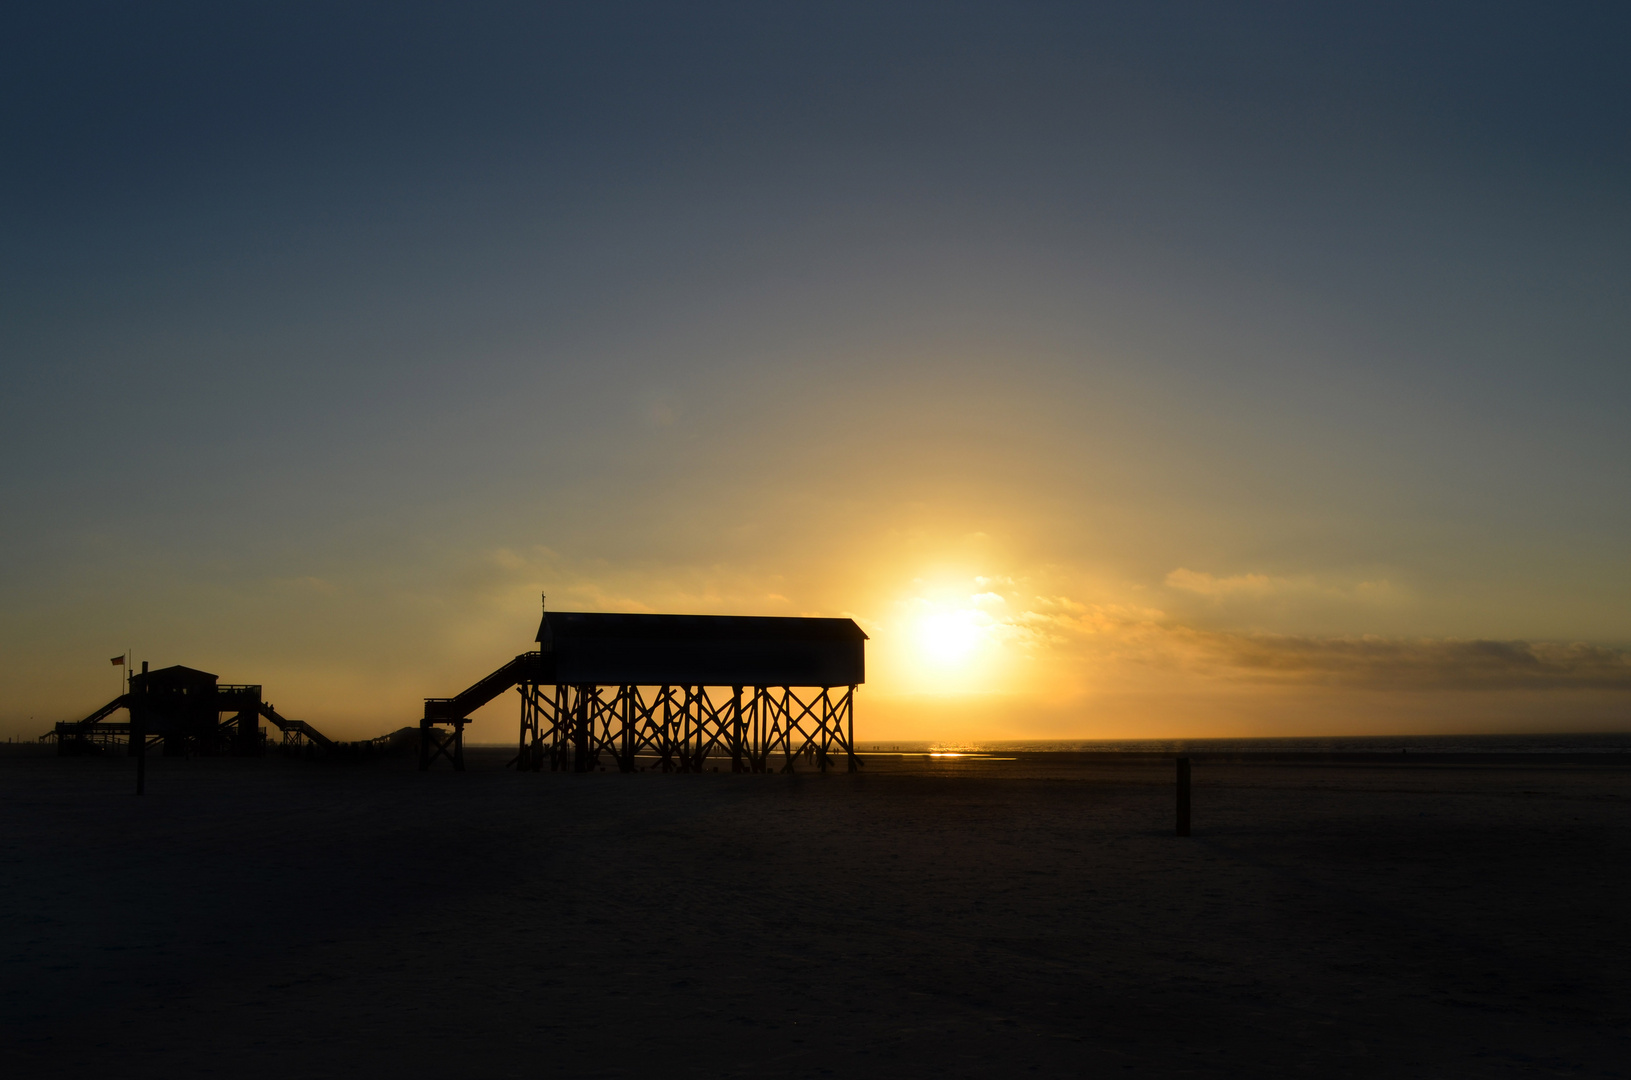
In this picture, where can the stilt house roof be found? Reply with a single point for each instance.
(701, 650)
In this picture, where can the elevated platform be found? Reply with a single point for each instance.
(185, 711)
(670, 691)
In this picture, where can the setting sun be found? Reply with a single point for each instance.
(948, 637)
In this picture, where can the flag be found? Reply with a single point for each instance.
(118, 661)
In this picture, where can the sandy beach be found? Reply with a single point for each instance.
(927, 917)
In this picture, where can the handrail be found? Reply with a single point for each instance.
(482, 691)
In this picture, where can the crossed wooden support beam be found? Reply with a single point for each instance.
(677, 728)
(436, 743)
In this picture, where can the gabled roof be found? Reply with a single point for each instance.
(579, 625)
(604, 648)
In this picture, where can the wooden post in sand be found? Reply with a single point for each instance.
(138, 733)
(1183, 796)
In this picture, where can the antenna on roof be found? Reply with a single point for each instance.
(543, 598)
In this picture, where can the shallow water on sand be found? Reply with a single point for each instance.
(1576, 743)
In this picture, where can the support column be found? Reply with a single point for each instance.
(785, 711)
(246, 730)
(693, 731)
(138, 732)
(789, 726)
(686, 765)
(625, 743)
(537, 760)
(529, 726)
(825, 744)
(736, 729)
(849, 715)
(563, 728)
(667, 760)
(580, 731)
(541, 713)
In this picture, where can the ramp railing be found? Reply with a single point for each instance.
(296, 727)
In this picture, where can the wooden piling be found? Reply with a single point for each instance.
(138, 732)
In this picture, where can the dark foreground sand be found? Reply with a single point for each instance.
(290, 919)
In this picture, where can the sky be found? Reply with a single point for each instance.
(1124, 370)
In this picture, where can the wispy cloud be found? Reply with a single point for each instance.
(1250, 585)
(1151, 638)
(1207, 585)
(1420, 663)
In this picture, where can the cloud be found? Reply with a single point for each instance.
(1422, 663)
(1152, 639)
(1262, 585)
(1207, 585)
(1055, 622)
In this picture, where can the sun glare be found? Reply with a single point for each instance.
(948, 637)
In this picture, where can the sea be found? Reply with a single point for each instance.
(1580, 743)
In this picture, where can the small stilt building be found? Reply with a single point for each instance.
(669, 692)
(185, 711)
